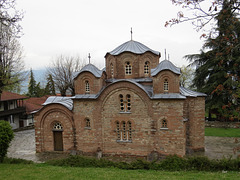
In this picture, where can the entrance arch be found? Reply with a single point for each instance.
(57, 136)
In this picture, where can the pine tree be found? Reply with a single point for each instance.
(32, 86)
(50, 87)
(218, 69)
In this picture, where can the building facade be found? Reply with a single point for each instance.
(133, 107)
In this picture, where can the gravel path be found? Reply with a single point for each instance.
(23, 146)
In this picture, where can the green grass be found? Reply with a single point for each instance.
(43, 171)
(222, 132)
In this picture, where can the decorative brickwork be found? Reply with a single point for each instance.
(127, 112)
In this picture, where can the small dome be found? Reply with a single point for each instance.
(92, 69)
(133, 47)
(165, 65)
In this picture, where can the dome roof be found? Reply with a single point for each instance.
(133, 47)
(165, 65)
(92, 69)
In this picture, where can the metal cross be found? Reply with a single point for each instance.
(131, 33)
(89, 57)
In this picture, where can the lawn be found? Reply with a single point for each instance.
(43, 171)
(222, 132)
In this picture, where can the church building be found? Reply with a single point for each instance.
(134, 107)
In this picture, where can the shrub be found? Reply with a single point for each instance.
(173, 163)
(16, 161)
(6, 136)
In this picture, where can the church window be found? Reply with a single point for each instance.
(128, 102)
(128, 68)
(87, 87)
(124, 131)
(165, 85)
(164, 124)
(57, 126)
(88, 125)
(112, 70)
(125, 104)
(118, 130)
(146, 67)
(129, 130)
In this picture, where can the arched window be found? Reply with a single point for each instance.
(121, 103)
(128, 68)
(125, 104)
(124, 131)
(87, 121)
(165, 85)
(112, 70)
(57, 126)
(118, 130)
(87, 87)
(164, 124)
(129, 130)
(128, 103)
(146, 67)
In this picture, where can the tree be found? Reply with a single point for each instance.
(63, 70)
(32, 85)
(202, 12)
(50, 87)
(218, 69)
(11, 64)
(6, 136)
(186, 77)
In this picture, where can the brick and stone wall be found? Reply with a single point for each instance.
(44, 122)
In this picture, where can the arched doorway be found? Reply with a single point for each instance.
(57, 136)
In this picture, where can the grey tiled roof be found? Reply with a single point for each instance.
(165, 65)
(65, 101)
(134, 47)
(187, 92)
(92, 69)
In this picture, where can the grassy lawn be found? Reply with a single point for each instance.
(43, 171)
(222, 132)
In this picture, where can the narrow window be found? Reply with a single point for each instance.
(112, 70)
(121, 103)
(87, 87)
(128, 68)
(124, 130)
(129, 130)
(146, 67)
(88, 123)
(128, 103)
(165, 85)
(118, 130)
(164, 123)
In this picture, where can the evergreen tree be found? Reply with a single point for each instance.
(32, 86)
(218, 67)
(50, 87)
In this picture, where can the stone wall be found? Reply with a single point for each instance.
(218, 124)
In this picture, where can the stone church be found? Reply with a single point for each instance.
(134, 107)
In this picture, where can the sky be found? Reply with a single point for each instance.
(78, 27)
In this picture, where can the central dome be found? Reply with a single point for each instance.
(133, 47)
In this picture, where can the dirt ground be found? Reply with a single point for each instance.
(23, 146)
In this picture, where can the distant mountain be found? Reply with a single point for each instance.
(39, 76)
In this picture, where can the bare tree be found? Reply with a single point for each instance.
(201, 12)
(11, 64)
(63, 69)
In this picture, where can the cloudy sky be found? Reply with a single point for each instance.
(79, 27)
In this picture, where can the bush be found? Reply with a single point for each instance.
(171, 163)
(16, 161)
(6, 136)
